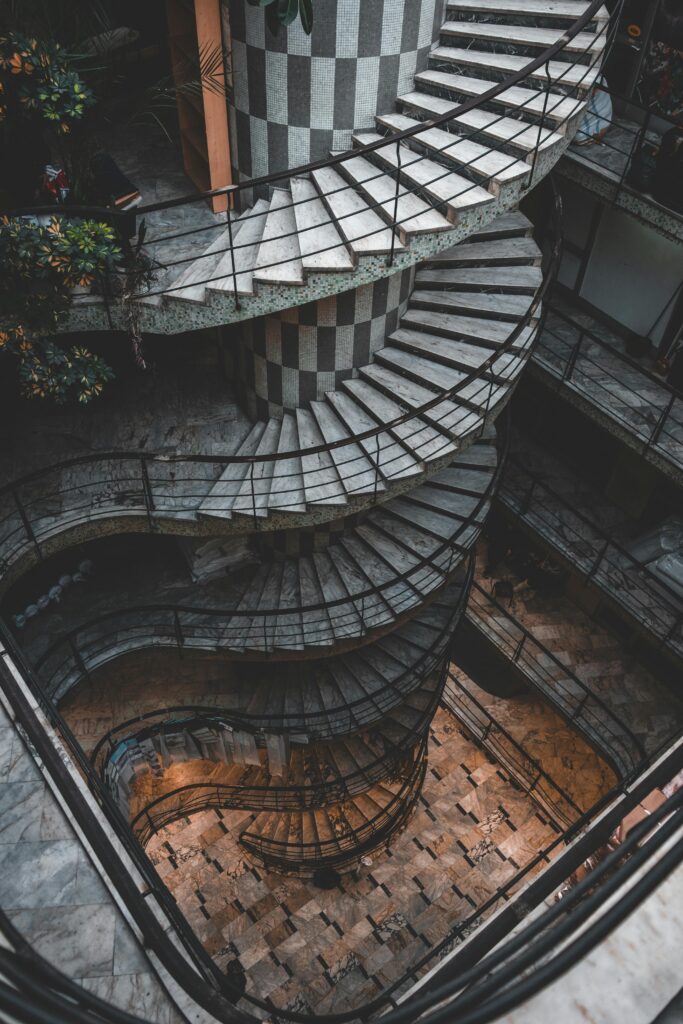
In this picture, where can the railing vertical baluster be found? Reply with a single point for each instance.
(526, 501)
(390, 261)
(571, 362)
(180, 639)
(596, 564)
(376, 485)
(659, 426)
(147, 491)
(541, 127)
(232, 254)
(253, 494)
(78, 658)
(26, 523)
(518, 649)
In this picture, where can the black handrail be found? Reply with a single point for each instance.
(155, 936)
(534, 64)
(527, 780)
(538, 481)
(528, 637)
(374, 590)
(303, 720)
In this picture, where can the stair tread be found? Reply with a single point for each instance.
(252, 498)
(278, 261)
(287, 487)
(557, 107)
(355, 470)
(420, 437)
(527, 279)
(245, 252)
(413, 215)
(538, 8)
(484, 331)
(362, 228)
(190, 286)
(524, 35)
(321, 246)
(482, 123)
(509, 306)
(322, 485)
(452, 351)
(443, 186)
(447, 415)
(497, 251)
(565, 72)
(495, 167)
(220, 499)
(383, 450)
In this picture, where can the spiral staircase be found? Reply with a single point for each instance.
(386, 479)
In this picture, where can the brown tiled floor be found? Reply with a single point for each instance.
(333, 950)
(559, 749)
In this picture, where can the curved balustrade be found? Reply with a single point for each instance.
(601, 560)
(367, 605)
(209, 988)
(555, 681)
(644, 406)
(384, 454)
(526, 770)
(396, 668)
(473, 162)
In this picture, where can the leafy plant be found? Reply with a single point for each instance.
(36, 74)
(284, 12)
(39, 264)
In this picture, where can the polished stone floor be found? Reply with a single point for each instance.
(330, 951)
(557, 747)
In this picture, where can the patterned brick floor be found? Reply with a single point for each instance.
(326, 951)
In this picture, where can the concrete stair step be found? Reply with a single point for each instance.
(321, 245)
(278, 261)
(361, 227)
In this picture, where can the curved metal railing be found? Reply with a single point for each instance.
(212, 990)
(553, 76)
(653, 411)
(332, 721)
(526, 770)
(137, 487)
(137, 627)
(555, 681)
(592, 552)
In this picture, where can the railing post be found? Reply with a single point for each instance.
(180, 639)
(541, 126)
(661, 421)
(232, 255)
(374, 495)
(25, 523)
(147, 491)
(596, 564)
(390, 261)
(526, 501)
(518, 649)
(571, 362)
(253, 495)
(78, 658)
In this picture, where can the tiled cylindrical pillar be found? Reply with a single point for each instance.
(291, 358)
(296, 97)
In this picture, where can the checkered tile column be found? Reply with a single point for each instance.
(296, 97)
(288, 360)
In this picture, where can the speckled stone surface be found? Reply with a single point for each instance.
(599, 168)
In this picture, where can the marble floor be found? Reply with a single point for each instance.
(613, 152)
(329, 951)
(636, 401)
(557, 747)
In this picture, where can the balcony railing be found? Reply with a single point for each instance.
(636, 399)
(508, 752)
(596, 556)
(575, 701)
(202, 980)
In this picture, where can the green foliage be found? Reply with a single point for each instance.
(37, 76)
(284, 12)
(39, 264)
